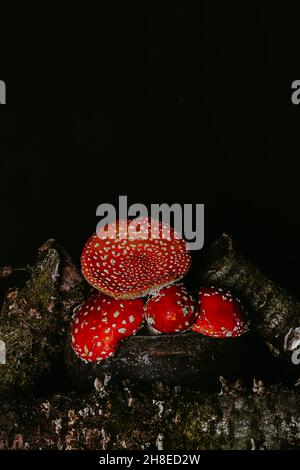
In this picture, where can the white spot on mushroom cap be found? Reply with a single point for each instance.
(141, 271)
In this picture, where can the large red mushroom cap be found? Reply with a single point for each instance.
(131, 264)
(101, 323)
(171, 310)
(220, 315)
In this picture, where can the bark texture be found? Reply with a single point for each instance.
(186, 359)
(169, 419)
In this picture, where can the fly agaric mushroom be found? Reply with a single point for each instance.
(171, 310)
(101, 323)
(132, 263)
(220, 315)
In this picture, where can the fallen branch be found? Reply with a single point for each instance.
(129, 419)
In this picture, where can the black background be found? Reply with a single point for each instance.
(164, 103)
(170, 105)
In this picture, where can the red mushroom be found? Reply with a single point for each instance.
(101, 323)
(220, 315)
(171, 310)
(129, 264)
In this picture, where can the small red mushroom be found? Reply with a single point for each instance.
(128, 264)
(101, 323)
(220, 315)
(171, 310)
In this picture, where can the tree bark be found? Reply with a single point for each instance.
(130, 418)
(186, 359)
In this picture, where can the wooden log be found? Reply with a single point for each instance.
(186, 358)
(128, 418)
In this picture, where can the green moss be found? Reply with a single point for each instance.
(33, 322)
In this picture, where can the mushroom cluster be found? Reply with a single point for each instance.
(125, 265)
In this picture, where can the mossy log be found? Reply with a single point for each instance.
(127, 418)
(275, 313)
(34, 318)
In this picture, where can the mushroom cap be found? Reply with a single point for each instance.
(128, 264)
(171, 310)
(101, 323)
(220, 315)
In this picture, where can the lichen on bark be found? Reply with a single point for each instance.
(132, 418)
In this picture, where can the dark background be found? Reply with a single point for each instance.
(178, 105)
